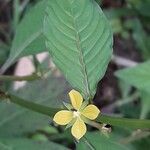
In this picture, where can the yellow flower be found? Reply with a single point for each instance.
(77, 115)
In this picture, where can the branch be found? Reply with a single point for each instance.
(28, 104)
(125, 122)
(121, 122)
(34, 76)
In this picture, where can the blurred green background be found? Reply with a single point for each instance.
(123, 91)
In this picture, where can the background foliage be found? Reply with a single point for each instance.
(124, 88)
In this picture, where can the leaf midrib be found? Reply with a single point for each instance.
(78, 44)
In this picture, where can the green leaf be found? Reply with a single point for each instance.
(138, 76)
(96, 141)
(27, 144)
(80, 42)
(29, 38)
(16, 121)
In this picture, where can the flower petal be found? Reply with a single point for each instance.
(63, 117)
(78, 129)
(76, 99)
(91, 112)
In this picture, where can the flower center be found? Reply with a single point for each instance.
(76, 114)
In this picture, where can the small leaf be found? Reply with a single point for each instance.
(80, 42)
(29, 38)
(138, 76)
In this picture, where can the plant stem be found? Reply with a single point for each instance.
(95, 124)
(121, 122)
(32, 77)
(124, 122)
(33, 106)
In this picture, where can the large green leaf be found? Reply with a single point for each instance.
(26, 144)
(29, 38)
(96, 141)
(138, 76)
(80, 42)
(15, 121)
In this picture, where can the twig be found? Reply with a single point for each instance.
(95, 124)
(49, 111)
(34, 76)
(28, 104)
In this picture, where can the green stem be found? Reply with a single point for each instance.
(33, 106)
(121, 122)
(95, 124)
(32, 77)
(125, 122)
